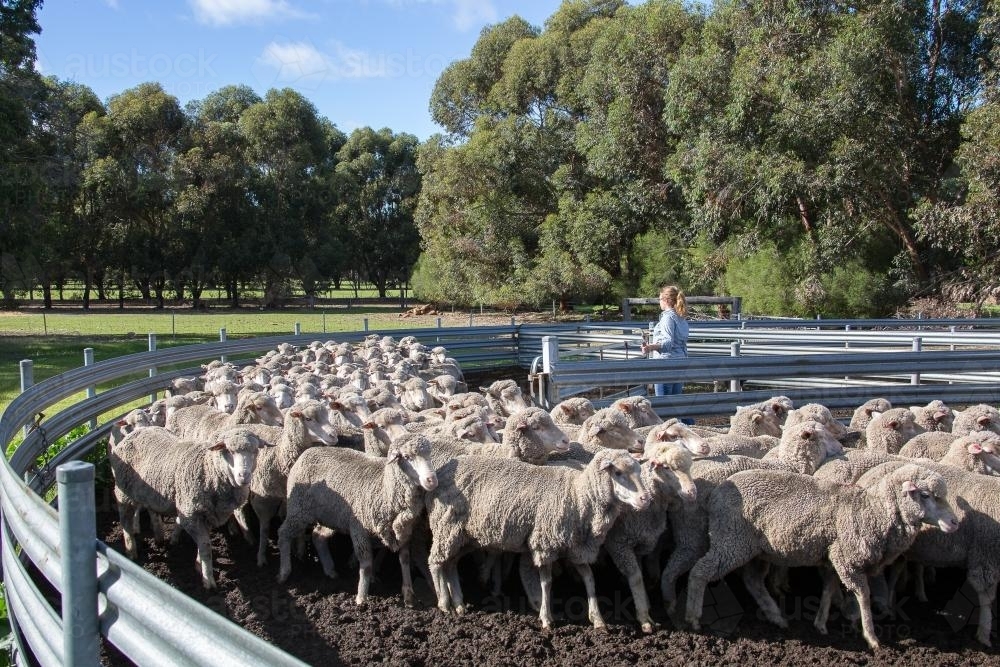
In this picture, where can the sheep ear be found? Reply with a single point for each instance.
(594, 430)
(370, 425)
(984, 420)
(121, 422)
(605, 464)
(756, 418)
(874, 414)
(664, 436)
(909, 487)
(625, 407)
(520, 425)
(807, 433)
(296, 413)
(975, 448)
(393, 456)
(217, 446)
(893, 424)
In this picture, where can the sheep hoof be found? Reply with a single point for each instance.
(460, 610)
(821, 628)
(360, 601)
(409, 600)
(984, 638)
(647, 628)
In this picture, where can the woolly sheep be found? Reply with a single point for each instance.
(306, 425)
(934, 444)
(505, 397)
(676, 432)
(935, 416)
(818, 413)
(865, 412)
(977, 452)
(607, 428)
(756, 446)
(201, 482)
(201, 422)
(382, 428)
(137, 418)
(805, 446)
(415, 396)
(529, 436)
(889, 431)
(359, 495)
(636, 533)
(797, 520)
(547, 512)
(573, 410)
(638, 411)
(778, 406)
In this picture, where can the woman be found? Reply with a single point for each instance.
(670, 335)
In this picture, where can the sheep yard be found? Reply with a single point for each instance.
(315, 618)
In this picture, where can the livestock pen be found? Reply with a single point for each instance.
(68, 592)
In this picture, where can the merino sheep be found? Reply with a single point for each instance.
(755, 446)
(547, 512)
(201, 482)
(505, 397)
(574, 410)
(607, 428)
(529, 436)
(384, 426)
(638, 411)
(137, 418)
(817, 413)
(201, 422)
(415, 396)
(636, 533)
(351, 492)
(778, 406)
(306, 425)
(935, 416)
(889, 431)
(977, 452)
(935, 444)
(863, 415)
(674, 431)
(797, 520)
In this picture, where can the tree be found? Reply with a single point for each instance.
(378, 180)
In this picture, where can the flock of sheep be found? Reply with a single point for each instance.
(383, 440)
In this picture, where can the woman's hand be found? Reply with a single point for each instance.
(650, 347)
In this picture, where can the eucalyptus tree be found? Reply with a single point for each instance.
(146, 132)
(378, 185)
(288, 146)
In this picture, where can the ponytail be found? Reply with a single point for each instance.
(675, 299)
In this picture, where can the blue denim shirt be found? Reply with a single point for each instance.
(671, 333)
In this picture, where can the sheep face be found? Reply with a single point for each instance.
(536, 426)
(413, 456)
(676, 432)
(315, 418)
(266, 409)
(764, 422)
(672, 466)
(239, 448)
(984, 446)
(921, 496)
(626, 478)
(609, 428)
(639, 411)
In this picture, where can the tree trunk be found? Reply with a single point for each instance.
(47, 296)
(99, 283)
(121, 290)
(86, 290)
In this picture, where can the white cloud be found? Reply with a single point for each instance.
(229, 12)
(113, 4)
(302, 63)
(468, 14)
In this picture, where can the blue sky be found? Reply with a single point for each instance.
(360, 62)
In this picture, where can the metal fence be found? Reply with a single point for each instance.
(102, 594)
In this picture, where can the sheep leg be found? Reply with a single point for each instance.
(439, 579)
(290, 529)
(628, 564)
(486, 567)
(545, 579)
(199, 533)
(986, 591)
(857, 583)
(754, 575)
(404, 569)
(363, 551)
(918, 582)
(265, 513)
(714, 565)
(156, 521)
(321, 542)
(593, 610)
(529, 580)
(830, 584)
(127, 512)
(691, 543)
(455, 588)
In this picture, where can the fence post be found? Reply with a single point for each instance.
(847, 343)
(917, 345)
(951, 330)
(78, 544)
(439, 323)
(470, 318)
(298, 328)
(734, 351)
(737, 313)
(366, 325)
(152, 371)
(324, 321)
(222, 339)
(626, 310)
(88, 360)
(550, 355)
(27, 380)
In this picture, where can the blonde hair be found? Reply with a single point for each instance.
(675, 299)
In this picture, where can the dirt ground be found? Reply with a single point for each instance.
(315, 618)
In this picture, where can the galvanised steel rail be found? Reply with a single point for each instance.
(147, 620)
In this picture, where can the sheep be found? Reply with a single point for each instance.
(797, 520)
(283, 395)
(867, 411)
(157, 411)
(847, 467)
(748, 422)
(306, 425)
(802, 450)
(137, 418)
(638, 411)
(529, 436)
(607, 428)
(547, 512)
(443, 387)
(972, 546)
(935, 416)
(818, 413)
(673, 431)
(415, 396)
(889, 431)
(469, 424)
(934, 444)
(224, 393)
(201, 482)
(573, 410)
(778, 406)
(384, 426)
(201, 422)
(977, 452)
(354, 493)
(636, 533)
(378, 398)
(505, 397)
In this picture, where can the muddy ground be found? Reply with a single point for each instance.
(315, 618)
